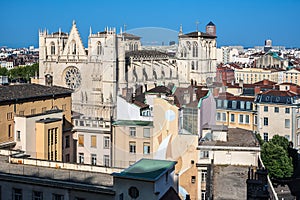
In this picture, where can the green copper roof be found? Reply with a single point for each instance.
(132, 123)
(146, 169)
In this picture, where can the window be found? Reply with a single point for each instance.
(287, 110)
(224, 117)
(233, 105)
(266, 108)
(147, 132)
(18, 136)
(231, 117)
(193, 179)
(218, 116)
(266, 137)
(43, 109)
(255, 119)
(67, 143)
(106, 142)
(248, 105)
(106, 160)
(17, 194)
(52, 49)
(242, 104)
(225, 103)
(121, 196)
(93, 159)
(132, 131)
(193, 66)
(204, 154)
(146, 148)
(99, 48)
(203, 194)
(266, 121)
(93, 141)
(132, 147)
(81, 158)
(57, 197)
(241, 118)
(276, 109)
(9, 116)
(219, 103)
(9, 131)
(287, 123)
(33, 111)
(21, 113)
(203, 175)
(81, 140)
(247, 119)
(36, 195)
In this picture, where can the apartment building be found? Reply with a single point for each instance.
(235, 111)
(37, 120)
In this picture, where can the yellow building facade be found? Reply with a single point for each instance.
(29, 112)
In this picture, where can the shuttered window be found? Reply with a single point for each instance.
(93, 141)
(81, 140)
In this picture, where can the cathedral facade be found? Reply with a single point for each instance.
(115, 64)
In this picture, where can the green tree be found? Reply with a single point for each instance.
(281, 141)
(275, 157)
(24, 72)
(3, 71)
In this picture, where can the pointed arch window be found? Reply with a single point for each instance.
(73, 47)
(99, 48)
(52, 48)
(193, 65)
(135, 47)
(195, 49)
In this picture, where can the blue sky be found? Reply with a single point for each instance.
(243, 22)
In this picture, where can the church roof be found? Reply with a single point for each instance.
(196, 34)
(146, 53)
(131, 36)
(210, 24)
(25, 92)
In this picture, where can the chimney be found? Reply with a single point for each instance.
(256, 90)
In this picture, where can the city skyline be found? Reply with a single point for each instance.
(246, 23)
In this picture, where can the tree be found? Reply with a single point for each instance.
(24, 73)
(3, 71)
(275, 157)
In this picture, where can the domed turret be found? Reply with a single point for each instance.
(211, 29)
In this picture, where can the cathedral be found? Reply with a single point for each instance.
(114, 64)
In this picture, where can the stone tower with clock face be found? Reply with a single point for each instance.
(90, 72)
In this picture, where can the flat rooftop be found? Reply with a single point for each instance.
(236, 137)
(66, 175)
(230, 182)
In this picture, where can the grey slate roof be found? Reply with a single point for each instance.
(25, 92)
